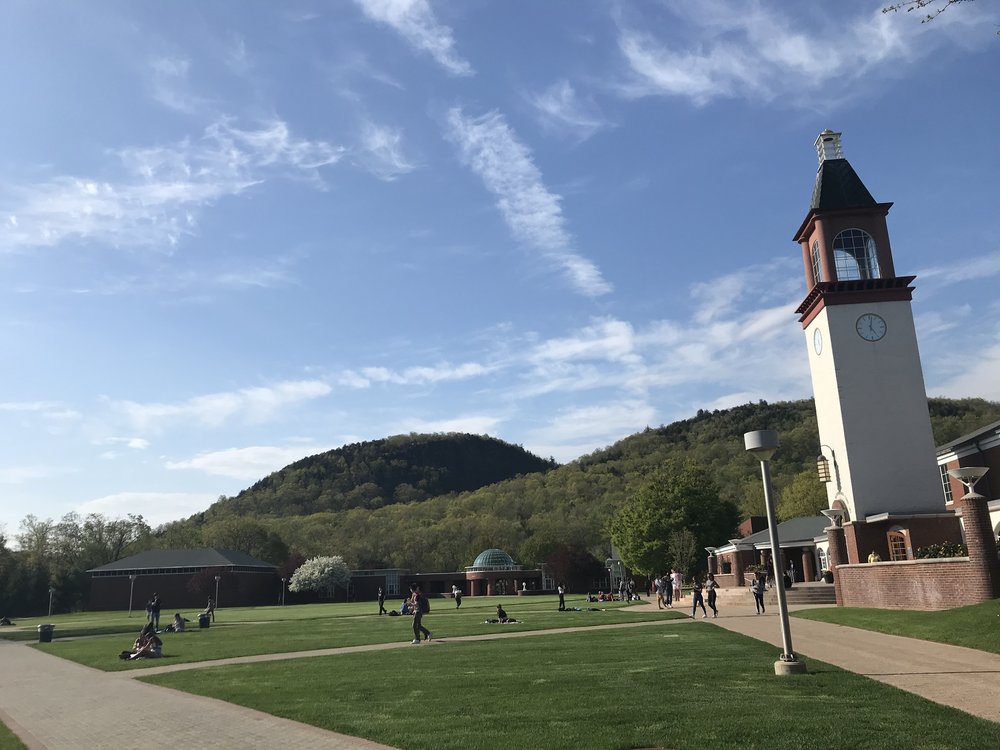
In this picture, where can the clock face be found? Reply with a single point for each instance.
(871, 327)
(818, 341)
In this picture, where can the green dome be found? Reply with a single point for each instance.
(493, 559)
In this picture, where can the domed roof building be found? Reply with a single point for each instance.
(492, 559)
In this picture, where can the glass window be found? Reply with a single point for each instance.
(817, 267)
(823, 565)
(854, 255)
(946, 483)
(897, 545)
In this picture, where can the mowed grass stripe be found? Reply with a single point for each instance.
(693, 687)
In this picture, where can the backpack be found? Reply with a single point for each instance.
(424, 603)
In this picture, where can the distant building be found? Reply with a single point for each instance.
(184, 579)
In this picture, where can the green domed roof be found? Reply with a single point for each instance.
(493, 559)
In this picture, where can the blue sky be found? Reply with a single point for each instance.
(236, 234)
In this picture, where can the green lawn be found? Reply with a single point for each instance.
(7, 739)
(976, 626)
(686, 686)
(268, 630)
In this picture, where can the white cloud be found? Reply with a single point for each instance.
(22, 474)
(252, 405)
(561, 110)
(155, 507)
(476, 424)
(967, 269)
(29, 406)
(156, 200)
(247, 464)
(169, 85)
(412, 375)
(415, 22)
(381, 152)
(761, 53)
(491, 149)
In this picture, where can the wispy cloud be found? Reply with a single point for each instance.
(249, 463)
(155, 507)
(168, 80)
(251, 405)
(366, 376)
(476, 424)
(967, 269)
(490, 148)
(380, 151)
(562, 111)
(759, 53)
(155, 200)
(415, 22)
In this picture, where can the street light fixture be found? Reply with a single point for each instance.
(217, 591)
(283, 591)
(131, 589)
(969, 475)
(51, 592)
(763, 444)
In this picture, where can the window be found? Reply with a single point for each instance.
(897, 545)
(817, 267)
(823, 562)
(854, 255)
(946, 483)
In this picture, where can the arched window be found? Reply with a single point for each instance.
(897, 544)
(817, 267)
(823, 562)
(854, 255)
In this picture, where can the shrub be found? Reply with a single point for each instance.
(945, 549)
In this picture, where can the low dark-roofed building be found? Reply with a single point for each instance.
(184, 579)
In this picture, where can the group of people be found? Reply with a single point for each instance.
(147, 646)
(668, 588)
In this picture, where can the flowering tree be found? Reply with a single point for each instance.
(322, 574)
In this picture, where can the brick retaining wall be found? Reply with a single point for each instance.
(940, 583)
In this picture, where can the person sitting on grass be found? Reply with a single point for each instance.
(177, 626)
(147, 646)
(502, 615)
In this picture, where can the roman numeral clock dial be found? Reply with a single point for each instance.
(871, 327)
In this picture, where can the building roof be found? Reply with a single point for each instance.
(160, 559)
(795, 532)
(989, 429)
(838, 186)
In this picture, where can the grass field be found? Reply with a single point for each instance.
(689, 685)
(976, 626)
(97, 640)
(7, 739)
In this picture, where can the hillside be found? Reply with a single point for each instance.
(400, 469)
(537, 514)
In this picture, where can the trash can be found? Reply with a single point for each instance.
(45, 633)
(204, 620)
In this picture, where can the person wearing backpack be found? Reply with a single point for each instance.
(420, 605)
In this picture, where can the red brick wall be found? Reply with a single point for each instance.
(941, 583)
(862, 538)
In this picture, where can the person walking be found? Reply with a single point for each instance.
(677, 578)
(420, 607)
(381, 601)
(710, 587)
(658, 584)
(757, 588)
(697, 599)
(561, 590)
(456, 592)
(668, 591)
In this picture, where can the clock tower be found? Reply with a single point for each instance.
(871, 405)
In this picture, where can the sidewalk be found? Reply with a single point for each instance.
(962, 678)
(54, 704)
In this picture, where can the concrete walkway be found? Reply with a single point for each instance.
(962, 678)
(54, 704)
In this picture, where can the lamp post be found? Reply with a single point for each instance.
(217, 591)
(283, 591)
(969, 475)
(762, 444)
(131, 589)
(51, 592)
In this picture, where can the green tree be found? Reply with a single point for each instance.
(805, 495)
(672, 501)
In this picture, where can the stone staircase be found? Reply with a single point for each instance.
(805, 593)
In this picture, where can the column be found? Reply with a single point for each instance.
(837, 551)
(980, 542)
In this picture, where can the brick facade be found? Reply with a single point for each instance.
(941, 583)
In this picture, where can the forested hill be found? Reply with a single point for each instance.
(399, 469)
